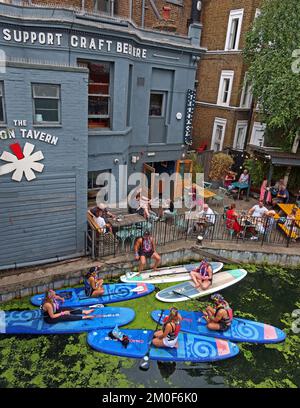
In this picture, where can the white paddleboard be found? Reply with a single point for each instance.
(171, 274)
(187, 290)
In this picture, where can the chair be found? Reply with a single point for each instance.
(206, 184)
(219, 198)
(227, 228)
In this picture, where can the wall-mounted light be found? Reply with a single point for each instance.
(199, 5)
(116, 161)
(151, 154)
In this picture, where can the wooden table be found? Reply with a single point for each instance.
(207, 194)
(287, 209)
(127, 220)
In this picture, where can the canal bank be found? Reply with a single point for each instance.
(29, 281)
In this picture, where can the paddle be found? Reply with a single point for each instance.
(144, 364)
(181, 294)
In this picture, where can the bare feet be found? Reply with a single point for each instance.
(88, 317)
(87, 312)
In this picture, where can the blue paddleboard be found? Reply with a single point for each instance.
(192, 347)
(113, 292)
(240, 330)
(32, 322)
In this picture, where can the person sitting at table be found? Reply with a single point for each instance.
(243, 180)
(203, 275)
(290, 222)
(195, 200)
(258, 210)
(229, 178)
(144, 248)
(282, 196)
(169, 211)
(99, 219)
(232, 220)
(106, 213)
(207, 218)
(265, 225)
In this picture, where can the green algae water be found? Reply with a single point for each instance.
(267, 294)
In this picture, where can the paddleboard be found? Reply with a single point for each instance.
(240, 329)
(113, 292)
(180, 273)
(220, 281)
(192, 347)
(32, 322)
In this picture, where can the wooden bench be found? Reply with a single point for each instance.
(92, 223)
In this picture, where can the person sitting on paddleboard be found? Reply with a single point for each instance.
(202, 276)
(92, 284)
(220, 317)
(168, 336)
(52, 313)
(144, 247)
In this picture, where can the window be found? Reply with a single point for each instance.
(240, 134)
(225, 87)
(99, 94)
(102, 5)
(2, 109)
(156, 104)
(246, 97)
(46, 103)
(234, 30)
(257, 136)
(92, 181)
(218, 134)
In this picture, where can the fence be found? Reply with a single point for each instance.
(263, 231)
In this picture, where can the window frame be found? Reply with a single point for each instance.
(249, 94)
(2, 96)
(234, 14)
(85, 63)
(225, 75)
(44, 122)
(163, 105)
(257, 126)
(240, 124)
(218, 122)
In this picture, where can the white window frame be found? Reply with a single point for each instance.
(249, 95)
(257, 126)
(234, 14)
(240, 124)
(218, 122)
(225, 75)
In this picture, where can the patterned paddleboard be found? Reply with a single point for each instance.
(220, 281)
(240, 329)
(192, 347)
(180, 273)
(32, 322)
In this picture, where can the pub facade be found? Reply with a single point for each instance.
(82, 95)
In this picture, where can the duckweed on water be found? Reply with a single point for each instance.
(268, 294)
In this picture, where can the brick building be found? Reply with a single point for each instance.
(225, 114)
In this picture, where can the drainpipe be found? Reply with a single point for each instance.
(143, 13)
(196, 11)
(130, 9)
(82, 6)
(112, 9)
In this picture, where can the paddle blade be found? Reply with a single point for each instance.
(144, 364)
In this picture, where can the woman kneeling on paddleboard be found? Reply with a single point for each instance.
(220, 317)
(168, 336)
(202, 276)
(50, 307)
(92, 284)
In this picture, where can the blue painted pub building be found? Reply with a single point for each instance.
(81, 95)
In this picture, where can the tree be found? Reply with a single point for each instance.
(220, 165)
(273, 53)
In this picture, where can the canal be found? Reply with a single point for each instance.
(268, 294)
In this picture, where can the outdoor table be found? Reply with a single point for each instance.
(239, 186)
(287, 209)
(127, 220)
(248, 222)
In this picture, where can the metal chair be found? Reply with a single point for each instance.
(219, 198)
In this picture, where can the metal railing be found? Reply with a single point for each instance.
(262, 231)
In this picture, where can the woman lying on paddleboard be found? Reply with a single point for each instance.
(52, 313)
(168, 336)
(202, 276)
(92, 284)
(220, 317)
